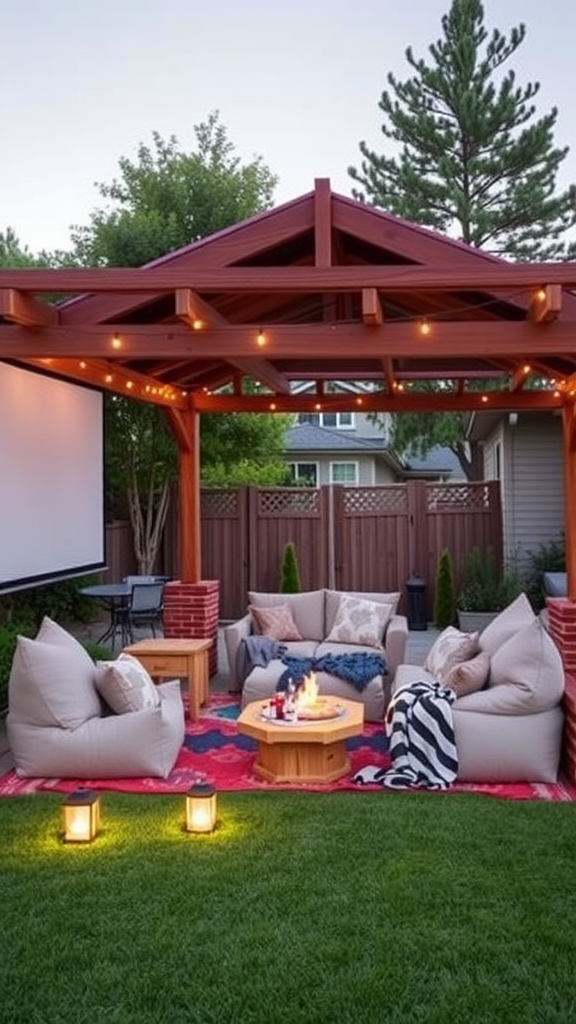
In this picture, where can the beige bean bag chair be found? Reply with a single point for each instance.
(69, 718)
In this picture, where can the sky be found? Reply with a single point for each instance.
(83, 83)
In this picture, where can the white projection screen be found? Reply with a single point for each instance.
(51, 479)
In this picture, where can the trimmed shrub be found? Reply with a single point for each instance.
(444, 592)
(289, 572)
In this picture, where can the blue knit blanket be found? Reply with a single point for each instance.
(356, 668)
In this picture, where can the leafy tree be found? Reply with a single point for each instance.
(169, 198)
(474, 162)
(141, 464)
(164, 200)
(473, 159)
(14, 255)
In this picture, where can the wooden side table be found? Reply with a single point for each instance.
(184, 659)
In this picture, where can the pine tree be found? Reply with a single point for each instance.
(473, 161)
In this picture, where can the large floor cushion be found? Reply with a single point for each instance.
(139, 743)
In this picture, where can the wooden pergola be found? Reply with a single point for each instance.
(320, 290)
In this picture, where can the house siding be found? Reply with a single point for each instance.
(531, 475)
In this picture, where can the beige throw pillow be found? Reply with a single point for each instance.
(450, 648)
(516, 616)
(359, 621)
(275, 622)
(126, 685)
(469, 676)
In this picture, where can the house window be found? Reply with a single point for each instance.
(304, 473)
(340, 420)
(344, 473)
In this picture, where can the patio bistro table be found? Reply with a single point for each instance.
(114, 597)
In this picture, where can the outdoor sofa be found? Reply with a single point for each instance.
(315, 624)
(509, 682)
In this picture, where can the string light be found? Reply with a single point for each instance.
(424, 327)
(116, 341)
(197, 324)
(261, 339)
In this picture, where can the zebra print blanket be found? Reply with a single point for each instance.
(421, 733)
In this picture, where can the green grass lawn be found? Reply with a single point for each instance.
(303, 908)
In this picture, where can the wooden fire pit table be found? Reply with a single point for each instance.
(302, 751)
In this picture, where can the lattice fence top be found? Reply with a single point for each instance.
(300, 501)
(374, 500)
(219, 503)
(460, 497)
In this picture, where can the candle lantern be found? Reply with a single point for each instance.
(81, 816)
(201, 809)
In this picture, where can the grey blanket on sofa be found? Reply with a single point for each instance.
(356, 668)
(256, 650)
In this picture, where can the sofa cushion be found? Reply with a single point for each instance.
(359, 621)
(307, 609)
(526, 675)
(52, 680)
(275, 622)
(126, 685)
(450, 647)
(518, 614)
(469, 676)
(333, 598)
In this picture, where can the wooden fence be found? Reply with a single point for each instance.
(349, 538)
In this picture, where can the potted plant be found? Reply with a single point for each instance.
(486, 589)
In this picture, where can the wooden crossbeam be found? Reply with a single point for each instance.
(371, 306)
(192, 309)
(114, 378)
(400, 401)
(20, 308)
(546, 304)
(317, 342)
(497, 277)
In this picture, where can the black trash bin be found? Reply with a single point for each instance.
(416, 589)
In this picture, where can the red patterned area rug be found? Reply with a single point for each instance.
(215, 752)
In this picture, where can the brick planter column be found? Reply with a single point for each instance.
(191, 612)
(562, 626)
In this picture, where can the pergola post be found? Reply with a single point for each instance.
(191, 604)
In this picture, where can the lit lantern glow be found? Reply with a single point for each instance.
(81, 816)
(201, 809)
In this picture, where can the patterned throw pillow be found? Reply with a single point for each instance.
(275, 622)
(359, 621)
(450, 648)
(469, 676)
(126, 685)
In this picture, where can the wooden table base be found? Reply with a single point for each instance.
(301, 762)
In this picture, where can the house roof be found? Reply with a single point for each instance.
(308, 437)
(320, 289)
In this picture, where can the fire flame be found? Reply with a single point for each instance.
(308, 692)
